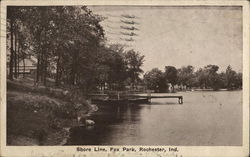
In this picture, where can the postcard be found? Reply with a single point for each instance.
(124, 78)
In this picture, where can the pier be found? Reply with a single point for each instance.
(149, 97)
(130, 98)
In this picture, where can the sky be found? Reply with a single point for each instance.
(178, 36)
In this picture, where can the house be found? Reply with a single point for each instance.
(26, 66)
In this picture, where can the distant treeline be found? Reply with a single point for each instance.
(204, 78)
(69, 46)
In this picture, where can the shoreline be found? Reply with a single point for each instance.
(45, 115)
(41, 115)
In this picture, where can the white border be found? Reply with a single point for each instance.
(183, 150)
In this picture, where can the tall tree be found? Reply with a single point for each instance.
(186, 75)
(64, 47)
(231, 76)
(212, 76)
(11, 18)
(171, 75)
(134, 61)
(155, 80)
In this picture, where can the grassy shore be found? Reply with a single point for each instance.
(41, 115)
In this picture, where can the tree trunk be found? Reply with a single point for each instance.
(11, 50)
(38, 69)
(15, 53)
(41, 64)
(57, 83)
(74, 68)
(45, 72)
(18, 59)
(45, 62)
(23, 64)
(38, 66)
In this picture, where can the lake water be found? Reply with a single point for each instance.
(205, 119)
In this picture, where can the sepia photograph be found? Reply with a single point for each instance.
(124, 75)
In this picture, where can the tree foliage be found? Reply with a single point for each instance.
(204, 78)
(69, 45)
(155, 80)
(185, 76)
(134, 61)
(171, 74)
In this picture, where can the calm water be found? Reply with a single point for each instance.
(205, 118)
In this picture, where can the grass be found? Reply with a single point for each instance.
(39, 115)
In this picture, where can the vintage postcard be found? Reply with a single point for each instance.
(124, 78)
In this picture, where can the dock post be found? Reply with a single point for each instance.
(149, 96)
(180, 100)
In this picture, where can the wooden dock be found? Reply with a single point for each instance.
(180, 98)
(120, 101)
(134, 97)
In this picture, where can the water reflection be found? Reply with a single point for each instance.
(205, 119)
(107, 118)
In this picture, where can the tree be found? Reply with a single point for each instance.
(171, 75)
(238, 80)
(117, 73)
(233, 80)
(155, 80)
(208, 77)
(201, 78)
(12, 18)
(134, 61)
(222, 77)
(212, 76)
(185, 75)
(69, 49)
(17, 37)
(40, 26)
